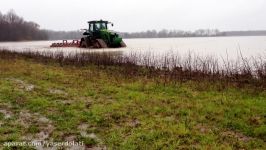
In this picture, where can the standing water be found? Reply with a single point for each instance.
(226, 47)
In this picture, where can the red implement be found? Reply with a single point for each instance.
(74, 43)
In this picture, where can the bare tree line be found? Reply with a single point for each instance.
(173, 33)
(59, 35)
(15, 28)
(63, 35)
(197, 33)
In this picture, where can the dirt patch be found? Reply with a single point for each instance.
(83, 129)
(57, 91)
(22, 85)
(45, 127)
(43, 119)
(44, 124)
(70, 138)
(83, 132)
(7, 114)
(45, 133)
(134, 123)
(97, 148)
(256, 120)
(203, 128)
(65, 102)
(236, 135)
(25, 118)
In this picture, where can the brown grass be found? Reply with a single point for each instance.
(170, 68)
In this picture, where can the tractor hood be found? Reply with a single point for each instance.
(109, 31)
(114, 38)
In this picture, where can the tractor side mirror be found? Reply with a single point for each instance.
(112, 24)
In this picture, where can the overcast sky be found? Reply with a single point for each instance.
(141, 15)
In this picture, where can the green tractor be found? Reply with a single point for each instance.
(98, 36)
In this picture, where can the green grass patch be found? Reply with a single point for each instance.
(131, 113)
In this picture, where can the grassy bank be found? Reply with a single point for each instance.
(169, 68)
(118, 106)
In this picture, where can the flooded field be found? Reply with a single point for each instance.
(226, 47)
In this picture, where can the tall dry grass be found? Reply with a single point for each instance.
(169, 68)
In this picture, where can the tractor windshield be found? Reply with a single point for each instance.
(100, 26)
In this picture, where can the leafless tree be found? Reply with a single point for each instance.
(15, 28)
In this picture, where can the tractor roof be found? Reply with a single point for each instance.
(98, 21)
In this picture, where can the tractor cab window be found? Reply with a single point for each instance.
(100, 26)
(91, 28)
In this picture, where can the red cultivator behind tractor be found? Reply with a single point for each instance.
(74, 43)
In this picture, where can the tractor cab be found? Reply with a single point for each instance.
(96, 26)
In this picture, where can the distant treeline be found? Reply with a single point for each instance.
(15, 28)
(63, 35)
(198, 33)
(245, 33)
(173, 33)
(59, 35)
